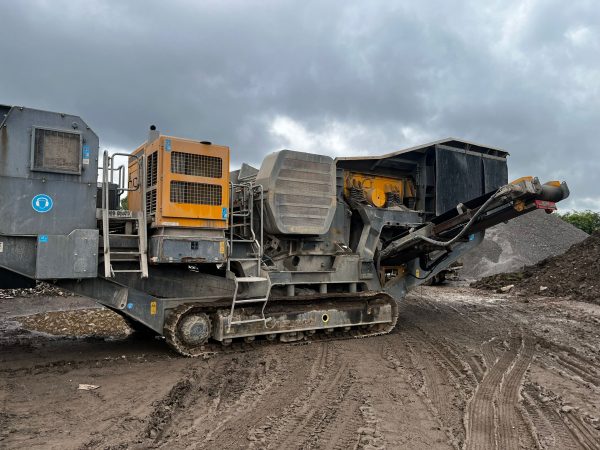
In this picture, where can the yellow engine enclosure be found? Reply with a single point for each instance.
(187, 183)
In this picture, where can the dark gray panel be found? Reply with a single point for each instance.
(459, 178)
(167, 249)
(16, 142)
(74, 206)
(77, 253)
(18, 254)
(73, 195)
(496, 174)
(51, 256)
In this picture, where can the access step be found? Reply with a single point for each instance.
(251, 279)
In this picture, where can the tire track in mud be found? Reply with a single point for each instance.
(235, 415)
(555, 428)
(477, 366)
(446, 378)
(456, 328)
(438, 392)
(199, 408)
(511, 425)
(267, 431)
(237, 424)
(162, 416)
(549, 430)
(337, 425)
(342, 422)
(481, 419)
(580, 430)
(450, 373)
(488, 353)
(576, 369)
(399, 355)
(263, 435)
(329, 412)
(298, 424)
(518, 420)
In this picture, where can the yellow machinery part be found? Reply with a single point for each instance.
(552, 183)
(519, 205)
(518, 180)
(187, 183)
(376, 197)
(375, 188)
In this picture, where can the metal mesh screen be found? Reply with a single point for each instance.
(56, 151)
(152, 169)
(196, 193)
(196, 165)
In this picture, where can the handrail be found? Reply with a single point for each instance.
(108, 168)
(247, 205)
(105, 207)
(141, 171)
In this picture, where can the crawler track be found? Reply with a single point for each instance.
(211, 347)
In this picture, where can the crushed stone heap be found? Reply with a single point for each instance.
(575, 274)
(524, 241)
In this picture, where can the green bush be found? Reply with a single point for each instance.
(588, 221)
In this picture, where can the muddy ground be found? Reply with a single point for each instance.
(463, 369)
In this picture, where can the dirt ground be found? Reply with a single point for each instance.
(463, 369)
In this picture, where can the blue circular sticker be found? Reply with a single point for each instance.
(42, 203)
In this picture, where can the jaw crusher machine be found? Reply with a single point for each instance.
(203, 256)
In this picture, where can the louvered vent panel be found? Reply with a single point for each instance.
(152, 169)
(151, 201)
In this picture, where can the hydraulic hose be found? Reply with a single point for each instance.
(465, 228)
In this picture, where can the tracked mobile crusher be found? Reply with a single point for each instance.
(205, 256)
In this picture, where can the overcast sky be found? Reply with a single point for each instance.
(337, 77)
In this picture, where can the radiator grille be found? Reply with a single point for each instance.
(196, 193)
(196, 165)
(56, 151)
(152, 169)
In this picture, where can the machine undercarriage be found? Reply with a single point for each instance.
(302, 246)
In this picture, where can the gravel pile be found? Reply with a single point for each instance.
(524, 241)
(80, 323)
(574, 274)
(40, 290)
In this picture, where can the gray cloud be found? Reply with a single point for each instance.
(322, 76)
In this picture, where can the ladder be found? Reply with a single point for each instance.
(127, 221)
(264, 299)
(241, 232)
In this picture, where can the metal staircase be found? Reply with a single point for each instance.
(242, 221)
(127, 226)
